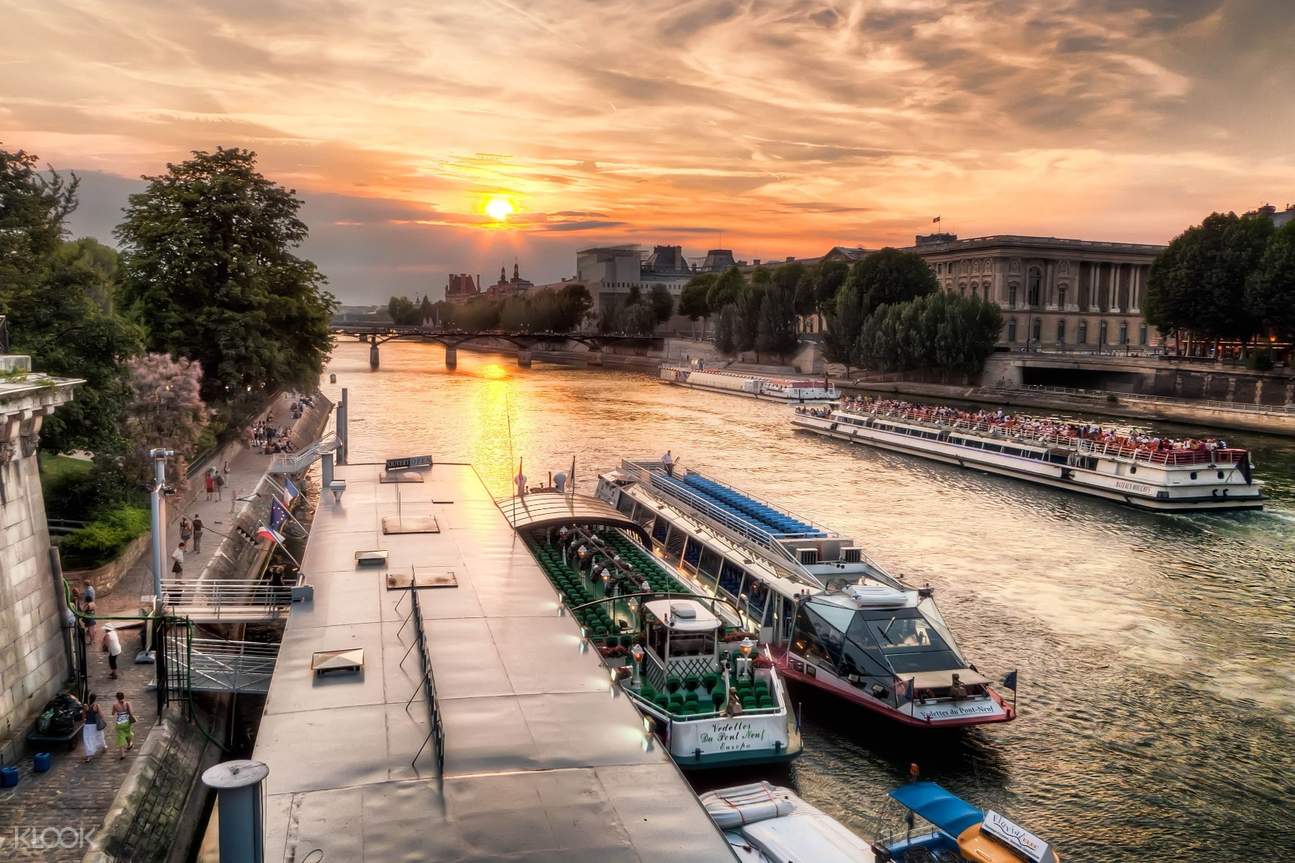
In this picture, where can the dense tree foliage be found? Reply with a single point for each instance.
(58, 298)
(726, 330)
(208, 267)
(935, 331)
(891, 276)
(829, 276)
(693, 299)
(403, 312)
(1198, 282)
(556, 310)
(1270, 287)
(726, 289)
(844, 321)
(776, 330)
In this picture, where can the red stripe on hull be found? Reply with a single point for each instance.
(891, 713)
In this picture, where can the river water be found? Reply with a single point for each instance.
(1156, 652)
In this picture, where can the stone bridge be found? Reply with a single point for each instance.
(377, 334)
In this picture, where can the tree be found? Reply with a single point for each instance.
(804, 299)
(662, 303)
(166, 411)
(727, 289)
(425, 310)
(692, 300)
(776, 331)
(828, 280)
(844, 325)
(891, 276)
(208, 267)
(939, 331)
(1198, 282)
(638, 319)
(748, 313)
(54, 301)
(1270, 287)
(574, 304)
(102, 261)
(403, 312)
(726, 330)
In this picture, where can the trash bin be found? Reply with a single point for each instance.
(8, 777)
(41, 762)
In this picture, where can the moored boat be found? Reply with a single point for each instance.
(928, 824)
(833, 618)
(785, 390)
(1158, 474)
(706, 687)
(766, 823)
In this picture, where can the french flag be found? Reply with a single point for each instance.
(271, 534)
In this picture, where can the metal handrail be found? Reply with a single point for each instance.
(428, 684)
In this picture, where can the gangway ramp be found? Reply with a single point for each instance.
(222, 665)
(226, 600)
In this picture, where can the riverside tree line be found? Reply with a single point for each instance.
(180, 333)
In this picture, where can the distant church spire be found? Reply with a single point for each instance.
(516, 275)
(503, 274)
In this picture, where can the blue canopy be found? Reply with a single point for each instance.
(947, 812)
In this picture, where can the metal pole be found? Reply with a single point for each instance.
(158, 500)
(238, 785)
(65, 616)
(343, 412)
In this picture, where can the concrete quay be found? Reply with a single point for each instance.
(542, 758)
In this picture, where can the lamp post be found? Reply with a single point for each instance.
(157, 499)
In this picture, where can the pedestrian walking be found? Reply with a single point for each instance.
(112, 647)
(186, 531)
(225, 470)
(198, 528)
(209, 481)
(92, 730)
(91, 624)
(177, 560)
(220, 486)
(123, 717)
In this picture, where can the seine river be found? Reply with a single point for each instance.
(1156, 653)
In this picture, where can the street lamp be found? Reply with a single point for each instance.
(157, 499)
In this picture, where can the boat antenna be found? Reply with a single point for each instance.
(508, 417)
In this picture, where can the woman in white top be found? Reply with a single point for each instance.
(112, 647)
(92, 730)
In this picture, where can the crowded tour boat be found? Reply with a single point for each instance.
(1153, 473)
(785, 390)
(832, 618)
(707, 688)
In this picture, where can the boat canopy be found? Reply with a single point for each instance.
(552, 509)
(951, 814)
(683, 615)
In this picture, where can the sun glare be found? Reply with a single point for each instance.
(499, 208)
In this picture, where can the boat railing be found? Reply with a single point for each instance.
(1122, 450)
(645, 471)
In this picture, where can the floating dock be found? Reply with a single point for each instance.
(538, 758)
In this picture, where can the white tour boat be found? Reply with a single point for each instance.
(767, 823)
(832, 618)
(785, 390)
(1165, 479)
(708, 689)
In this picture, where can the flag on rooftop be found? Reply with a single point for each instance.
(935, 221)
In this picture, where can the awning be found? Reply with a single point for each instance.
(950, 814)
(551, 509)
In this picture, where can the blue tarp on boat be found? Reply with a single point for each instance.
(947, 812)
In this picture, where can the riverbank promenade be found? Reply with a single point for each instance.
(541, 758)
(56, 815)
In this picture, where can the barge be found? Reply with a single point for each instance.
(793, 391)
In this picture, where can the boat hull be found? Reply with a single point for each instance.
(728, 741)
(763, 397)
(982, 711)
(1030, 470)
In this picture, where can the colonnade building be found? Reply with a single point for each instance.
(1054, 293)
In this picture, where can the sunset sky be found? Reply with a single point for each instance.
(772, 128)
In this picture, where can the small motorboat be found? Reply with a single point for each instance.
(766, 823)
(924, 823)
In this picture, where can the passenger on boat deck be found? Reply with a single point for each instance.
(957, 691)
(667, 461)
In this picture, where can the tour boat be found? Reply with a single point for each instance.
(1111, 466)
(785, 390)
(832, 618)
(766, 823)
(927, 823)
(706, 687)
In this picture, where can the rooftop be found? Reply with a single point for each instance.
(543, 759)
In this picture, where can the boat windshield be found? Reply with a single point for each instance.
(908, 641)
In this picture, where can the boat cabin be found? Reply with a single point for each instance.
(679, 632)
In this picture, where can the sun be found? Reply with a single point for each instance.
(499, 208)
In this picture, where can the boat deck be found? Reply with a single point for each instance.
(543, 760)
(740, 505)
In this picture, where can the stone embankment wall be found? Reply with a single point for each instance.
(33, 661)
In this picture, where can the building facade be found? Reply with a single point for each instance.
(33, 643)
(1055, 293)
(506, 287)
(459, 288)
